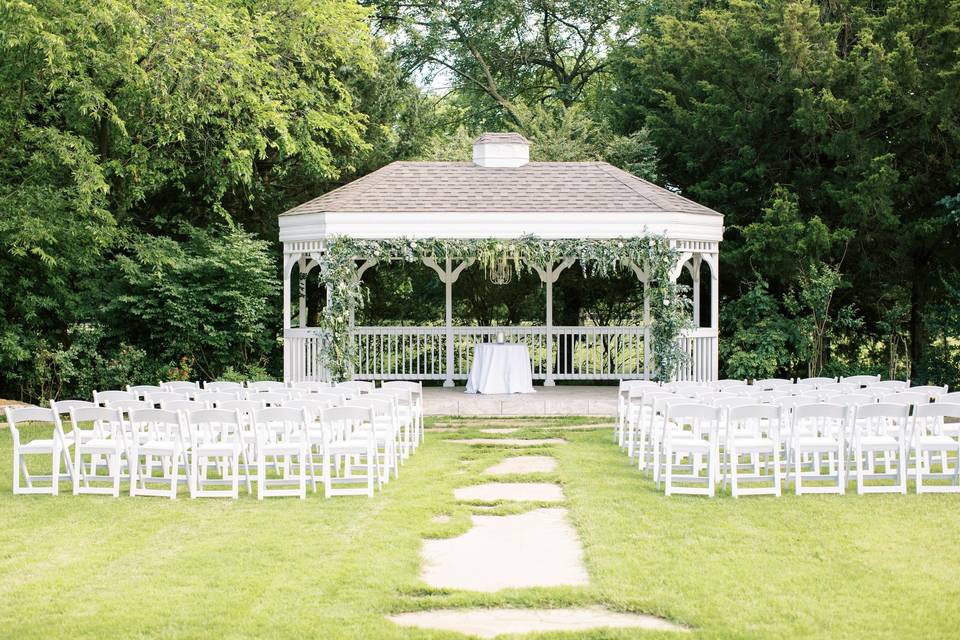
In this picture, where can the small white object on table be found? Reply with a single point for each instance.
(500, 368)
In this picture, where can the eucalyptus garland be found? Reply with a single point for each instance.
(668, 306)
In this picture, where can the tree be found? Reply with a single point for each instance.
(500, 53)
(120, 117)
(853, 106)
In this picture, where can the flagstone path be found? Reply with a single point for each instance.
(489, 623)
(510, 442)
(514, 491)
(523, 464)
(538, 548)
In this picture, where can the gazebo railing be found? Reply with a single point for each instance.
(420, 353)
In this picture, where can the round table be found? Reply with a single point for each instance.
(500, 368)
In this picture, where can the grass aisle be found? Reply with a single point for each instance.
(814, 566)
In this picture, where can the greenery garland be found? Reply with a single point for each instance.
(669, 308)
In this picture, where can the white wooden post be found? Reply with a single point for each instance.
(713, 261)
(695, 275)
(548, 275)
(448, 275)
(302, 315)
(644, 277)
(288, 261)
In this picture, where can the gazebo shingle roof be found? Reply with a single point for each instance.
(548, 187)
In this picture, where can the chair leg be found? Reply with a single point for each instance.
(731, 471)
(55, 472)
(80, 472)
(668, 478)
(303, 474)
(16, 470)
(261, 475)
(116, 474)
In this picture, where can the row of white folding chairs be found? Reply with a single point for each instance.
(211, 391)
(819, 387)
(863, 414)
(397, 429)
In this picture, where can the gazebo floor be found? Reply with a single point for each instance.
(562, 400)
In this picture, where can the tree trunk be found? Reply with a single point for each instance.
(918, 331)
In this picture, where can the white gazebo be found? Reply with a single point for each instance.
(503, 195)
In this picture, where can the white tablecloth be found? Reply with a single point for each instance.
(500, 368)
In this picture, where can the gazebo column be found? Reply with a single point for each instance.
(713, 261)
(548, 275)
(644, 278)
(694, 268)
(448, 275)
(304, 270)
(289, 260)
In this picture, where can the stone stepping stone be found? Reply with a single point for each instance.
(489, 623)
(523, 464)
(513, 491)
(503, 431)
(539, 548)
(510, 442)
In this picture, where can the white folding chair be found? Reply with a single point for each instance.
(905, 398)
(406, 418)
(891, 385)
(311, 387)
(880, 430)
(62, 409)
(771, 383)
(183, 386)
(214, 397)
(157, 399)
(623, 401)
(697, 442)
(660, 423)
(349, 440)
(281, 437)
(141, 390)
(109, 441)
(51, 448)
(386, 429)
(753, 430)
(157, 436)
(108, 398)
(728, 383)
(315, 404)
(931, 434)
(215, 442)
(816, 381)
(641, 425)
(818, 430)
(860, 381)
(271, 398)
(354, 388)
(224, 386)
(184, 405)
(266, 385)
(416, 393)
(248, 435)
(952, 398)
(931, 391)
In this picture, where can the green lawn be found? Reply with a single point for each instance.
(814, 566)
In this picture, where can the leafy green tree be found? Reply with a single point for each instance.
(210, 297)
(499, 54)
(851, 105)
(120, 117)
(757, 335)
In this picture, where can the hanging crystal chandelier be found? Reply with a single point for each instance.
(500, 272)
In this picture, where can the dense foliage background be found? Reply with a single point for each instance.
(147, 146)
